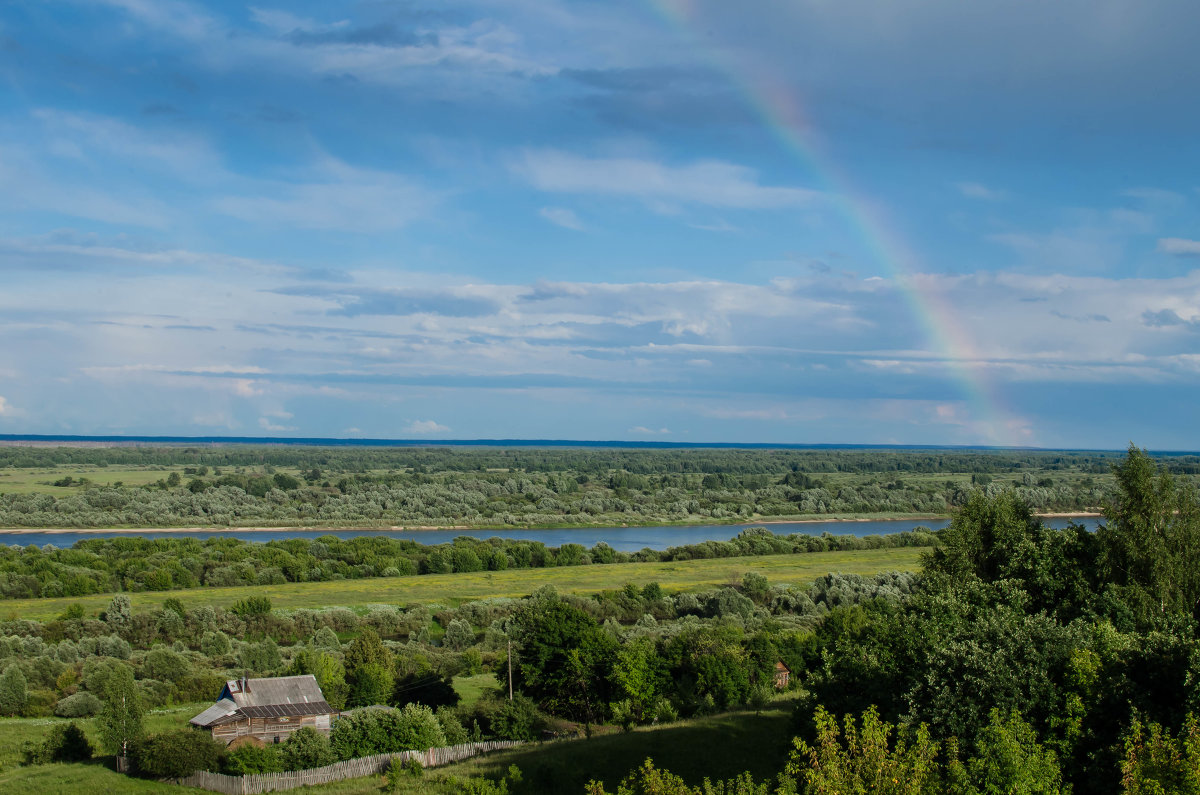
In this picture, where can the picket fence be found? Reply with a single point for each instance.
(351, 768)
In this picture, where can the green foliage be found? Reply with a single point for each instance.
(518, 719)
(176, 754)
(874, 758)
(565, 659)
(78, 705)
(1155, 763)
(399, 773)
(64, 743)
(166, 665)
(14, 691)
(1011, 761)
(306, 748)
(365, 732)
(1151, 542)
(250, 758)
(120, 719)
(261, 657)
(252, 606)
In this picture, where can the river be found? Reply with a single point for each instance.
(625, 539)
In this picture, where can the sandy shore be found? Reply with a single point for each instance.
(417, 528)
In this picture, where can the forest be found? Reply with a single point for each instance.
(1019, 659)
(284, 485)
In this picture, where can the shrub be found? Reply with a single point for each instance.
(65, 743)
(252, 606)
(251, 758)
(518, 719)
(176, 754)
(418, 728)
(14, 691)
(306, 748)
(80, 705)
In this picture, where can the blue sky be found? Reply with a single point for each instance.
(913, 222)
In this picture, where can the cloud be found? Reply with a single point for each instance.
(642, 429)
(341, 197)
(709, 182)
(1179, 247)
(973, 190)
(6, 409)
(561, 216)
(1163, 318)
(267, 425)
(359, 301)
(423, 427)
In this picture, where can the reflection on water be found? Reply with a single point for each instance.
(626, 539)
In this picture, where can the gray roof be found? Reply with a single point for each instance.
(275, 697)
(223, 708)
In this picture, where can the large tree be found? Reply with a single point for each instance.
(120, 721)
(1151, 541)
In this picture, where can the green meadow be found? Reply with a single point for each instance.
(454, 589)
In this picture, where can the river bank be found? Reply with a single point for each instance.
(216, 529)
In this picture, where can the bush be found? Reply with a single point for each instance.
(65, 743)
(252, 606)
(80, 705)
(518, 719)
(418, 728)
(306, 748)
(251, 758)
(176, 754)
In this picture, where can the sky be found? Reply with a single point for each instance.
(912, 222)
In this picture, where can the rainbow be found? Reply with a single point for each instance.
(779, 107)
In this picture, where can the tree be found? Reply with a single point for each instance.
(565, 658)
(119, 613)
(867, 759)
(1151, 542)
(14, 691)
(120, 721)
(1011, 761)
(1156, 763)
(369, 670)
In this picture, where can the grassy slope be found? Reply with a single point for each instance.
(718, 747)
(454, 589)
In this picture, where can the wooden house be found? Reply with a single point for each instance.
(266, 710)
(783, 675)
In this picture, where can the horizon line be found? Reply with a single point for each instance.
(317, 441)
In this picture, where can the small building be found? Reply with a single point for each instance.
(783, 675)
(266, 710)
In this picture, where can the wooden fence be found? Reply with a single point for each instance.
(351, 768)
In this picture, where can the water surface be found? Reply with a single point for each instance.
(625, 539)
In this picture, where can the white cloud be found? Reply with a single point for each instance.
(6, 410)
(266, 424)
(642, 429)
(244, 387)
(973, 190)
(1180, 247)
(423, 427)
(338, 196)
(563, 217)
(708, 182)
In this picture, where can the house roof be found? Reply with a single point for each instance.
(214, 714)
(275, 697)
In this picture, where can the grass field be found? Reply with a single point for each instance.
(720, 746)
(454, 589)
(14, 732)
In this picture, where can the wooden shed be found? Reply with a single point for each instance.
(266, 710)
(783, 675)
